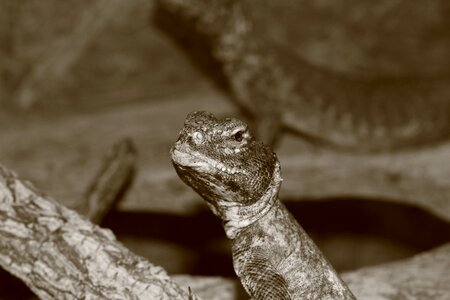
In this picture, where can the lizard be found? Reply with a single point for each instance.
(338, 111)
(239, 177)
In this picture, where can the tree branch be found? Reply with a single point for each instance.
(61, 255)
(112, 178)
(424, 276)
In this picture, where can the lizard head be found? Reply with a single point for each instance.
(221, 161)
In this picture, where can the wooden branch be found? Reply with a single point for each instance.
(424, 276)
(113, 176)
(61, 255)
(416, 178)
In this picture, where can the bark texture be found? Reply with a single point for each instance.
(61, 255)
(112, 178)
(424, 276)
(416, 178)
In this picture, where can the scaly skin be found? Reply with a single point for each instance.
(239, 178)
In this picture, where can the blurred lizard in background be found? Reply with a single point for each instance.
(364, 113)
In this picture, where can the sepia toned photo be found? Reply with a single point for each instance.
(225, 149)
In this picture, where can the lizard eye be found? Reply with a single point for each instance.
(238, 136)
(197, 137)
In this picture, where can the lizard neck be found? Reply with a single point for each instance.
(235, 218)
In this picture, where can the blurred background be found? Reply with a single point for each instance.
(76, 76)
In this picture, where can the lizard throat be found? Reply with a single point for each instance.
(236, 218)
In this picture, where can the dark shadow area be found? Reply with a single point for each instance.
(201, 235)
(11, 288)
(410, 225)
(361, 232)
(354, 233)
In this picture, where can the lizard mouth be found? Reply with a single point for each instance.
(195, 160)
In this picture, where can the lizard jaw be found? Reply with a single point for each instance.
(190, 160)
(199, 162)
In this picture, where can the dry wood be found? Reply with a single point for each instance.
(114, 175)
(424, 276)
(61, 255)
(417, 178)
